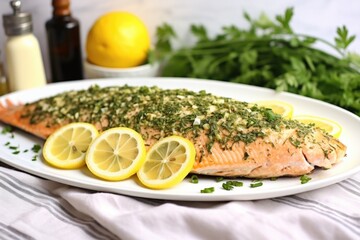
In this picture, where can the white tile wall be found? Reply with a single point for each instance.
(318, 17)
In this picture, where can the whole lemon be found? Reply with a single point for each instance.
(118, 40)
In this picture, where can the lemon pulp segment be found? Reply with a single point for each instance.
(116, 154)
(167, 163)
(66, 147)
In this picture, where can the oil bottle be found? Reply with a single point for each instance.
(63, 36)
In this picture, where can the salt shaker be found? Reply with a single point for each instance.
(24, 62)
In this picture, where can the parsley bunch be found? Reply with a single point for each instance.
(268, 54)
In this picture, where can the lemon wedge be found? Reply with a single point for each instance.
(284, 109)
(330, 126)
(66, 147)
(116, 154)
(167, 163)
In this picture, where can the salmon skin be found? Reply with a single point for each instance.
(232, 138)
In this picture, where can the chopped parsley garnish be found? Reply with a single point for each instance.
(304, 179)
(208, 190)
(16, 149)
(219, 179)
(6, 129)
(36, 148)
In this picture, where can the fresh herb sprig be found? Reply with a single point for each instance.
(305, 179)
(269, 54)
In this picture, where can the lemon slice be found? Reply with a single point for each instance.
(66, 147)
(116, 154)
(167, 163)
(284, 109)
(330, 126)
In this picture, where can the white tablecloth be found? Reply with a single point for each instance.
(34, 208)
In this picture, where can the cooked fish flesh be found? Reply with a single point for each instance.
(232, 138)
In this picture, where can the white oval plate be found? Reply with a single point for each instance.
(188, 191)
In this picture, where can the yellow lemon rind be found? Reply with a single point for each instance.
(336, 127)
(288, 108)
(118, 40)
(53, 160)
(179, 175)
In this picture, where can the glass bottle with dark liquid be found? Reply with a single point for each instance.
(63, 35)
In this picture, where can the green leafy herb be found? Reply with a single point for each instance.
(219, 179)
(6, 129)
(36, 148)
(304, 179)
(194, 179)
(208, 190)
(269, 54)
(163, 44)
(343, 40)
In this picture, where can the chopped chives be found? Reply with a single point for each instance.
(256, 184)
(227, 186)
(194, 179)
(208, 190)
(235, 183)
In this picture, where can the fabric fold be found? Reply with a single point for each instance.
(38, 208)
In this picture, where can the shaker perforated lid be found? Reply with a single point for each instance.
(18, 22)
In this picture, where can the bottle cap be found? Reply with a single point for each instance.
(18, 22)
(61, 7)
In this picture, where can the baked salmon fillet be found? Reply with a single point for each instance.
(232, 138)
